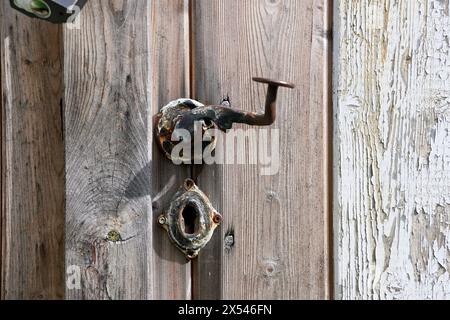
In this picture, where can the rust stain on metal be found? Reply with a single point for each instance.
(191, 219)
(185, 113)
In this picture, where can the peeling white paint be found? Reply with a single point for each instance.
(392, 111)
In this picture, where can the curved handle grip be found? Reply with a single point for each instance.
(224, 117)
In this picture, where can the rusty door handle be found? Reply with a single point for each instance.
(224, 117)
(182, 114)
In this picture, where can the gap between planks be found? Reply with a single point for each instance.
(329, 150)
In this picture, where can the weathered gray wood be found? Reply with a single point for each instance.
(32, 171)
(280, 222)
(170, 80)
(126, 61)
(392, 192)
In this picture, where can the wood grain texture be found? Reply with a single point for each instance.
(392, 112)
(170, 80)
(127, 60)
(280, 222)
(32, 212)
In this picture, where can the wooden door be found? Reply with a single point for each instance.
(82, 181)
(79, 162)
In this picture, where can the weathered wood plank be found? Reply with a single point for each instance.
(32, 211)
(127, 60)
(170, 80)
(392, 109)
(280, 221)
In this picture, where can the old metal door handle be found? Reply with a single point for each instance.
(224, 117)
(184, 113)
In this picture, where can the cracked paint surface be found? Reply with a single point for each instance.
(392, 151)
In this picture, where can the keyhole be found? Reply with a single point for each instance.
(191, 219)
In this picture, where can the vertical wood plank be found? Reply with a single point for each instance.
(170, 81)
(125, 62)
(393, 162)
(280, 222)
(32, 212)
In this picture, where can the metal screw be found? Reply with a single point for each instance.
(229, 242)
(162, 220)
(217, 218)
(189, 184)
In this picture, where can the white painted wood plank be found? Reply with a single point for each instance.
(392, 155)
